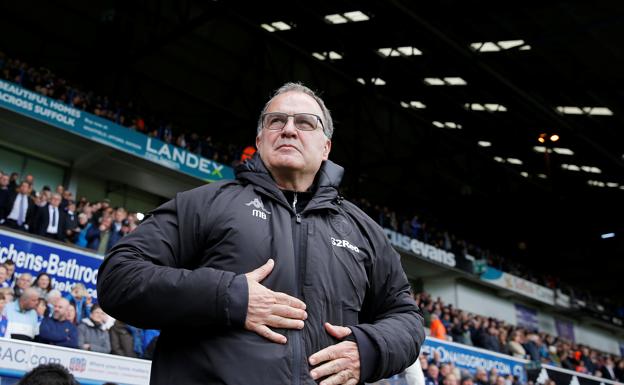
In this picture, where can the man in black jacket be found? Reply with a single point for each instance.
(19, 209)
(50, 220)
(271, 278)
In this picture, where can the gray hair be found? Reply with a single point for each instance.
(328, 124)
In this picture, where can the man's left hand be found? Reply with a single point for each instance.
(340, 362)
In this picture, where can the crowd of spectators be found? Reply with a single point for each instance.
(33, 311)
(129, 114)
(57, 215)
(428, 230)
(449, 323)
(125, 113)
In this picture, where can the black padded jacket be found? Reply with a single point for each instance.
(182, 271)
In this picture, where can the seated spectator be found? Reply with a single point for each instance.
(24, 281)
(22, 317)
(49, 220)
(71, 315)
(122, 342)
(19, 208)
(51, 298)
(57, 330)
(9, 296)
(91, 333)
(4, 322)
(48, 374)
(4, 275)
(10, 265)
(42, 307)
(80, 298)
(480, 377)
(432, 376)
(43, 284)
(450, 379)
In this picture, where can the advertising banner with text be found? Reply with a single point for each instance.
(63, 116)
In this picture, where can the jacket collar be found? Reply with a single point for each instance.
(324, 188)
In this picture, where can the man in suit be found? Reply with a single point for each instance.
(5, 192)
(50, 220)
(19, 208)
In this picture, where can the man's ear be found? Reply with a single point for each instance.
(326, 149)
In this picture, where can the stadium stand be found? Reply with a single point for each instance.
(97, 226)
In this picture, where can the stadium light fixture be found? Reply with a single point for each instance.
(361, 80)
(434, 81)
(353, 16)
(607, 235)
(267, 27)
(417, 104)
(563, 151)
(501, 45)
(515, 161)
(542, 176)
(318, 55)
(484, 143)
(524, 174)
(378, 81)
(281, 26)
(554, 138)
(455, 81)
(499, 159)
(491, 107)
(574, 110)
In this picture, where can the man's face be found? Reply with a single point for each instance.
(24, 188)
(433, 371)
(4, 180)
(3, 274)
(10, 269)
(23, 281)
(55, 200)
(29, 302)
(289, 149)
(60, 310)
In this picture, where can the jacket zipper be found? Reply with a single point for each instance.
(297, 334)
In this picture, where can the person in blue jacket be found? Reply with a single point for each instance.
(57, 330)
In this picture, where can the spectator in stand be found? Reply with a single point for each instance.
(532, 345)
(51, 298)
(8, 294)
(22, 317)
(481, 377)
(4, 275)
(102, 237)
(81, 300)
(466, 381)
(71, 314)
(41, 309)
(19, 208)
(91, 332)
(120, 215)
(57, 330)
(71, 221)
(515, 344)
(4, 322)
(437, 328)
(43, 284)
(5, 193)
(24, 281)
(10, 265)
(432, 376)
(50, 220)
(122, 341)
(608, 369)
(619, 370)
(450, 379)
(493, 376)
(83, 228)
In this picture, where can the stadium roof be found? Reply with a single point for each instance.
(439, 106)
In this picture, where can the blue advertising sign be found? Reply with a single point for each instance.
(64, 116)
(469, 358)
(65, 265)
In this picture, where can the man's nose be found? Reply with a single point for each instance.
(289, 128)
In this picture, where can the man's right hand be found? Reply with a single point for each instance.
(268, 308)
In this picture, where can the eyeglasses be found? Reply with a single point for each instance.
(275, 121)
